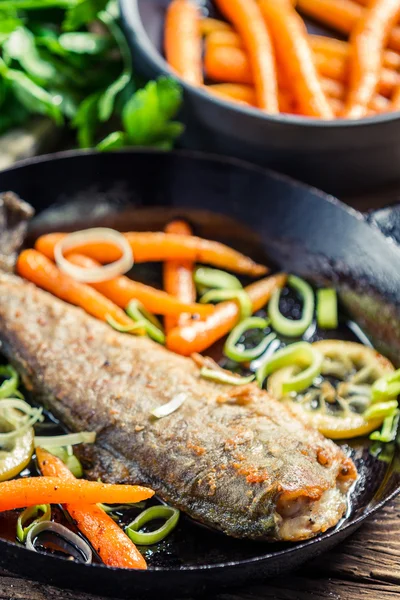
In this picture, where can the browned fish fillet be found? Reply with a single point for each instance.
(231, 457)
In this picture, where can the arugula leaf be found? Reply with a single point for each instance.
(146, 115)
(81, 13)
(21, 46)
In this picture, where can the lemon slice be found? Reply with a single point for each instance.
(335, 402)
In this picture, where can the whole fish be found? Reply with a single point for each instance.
(231, 457)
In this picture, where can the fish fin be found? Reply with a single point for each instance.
(100, 464)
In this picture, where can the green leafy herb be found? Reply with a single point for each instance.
(71, 62)
(146, 116)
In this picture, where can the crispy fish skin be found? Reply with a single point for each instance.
(231, 457)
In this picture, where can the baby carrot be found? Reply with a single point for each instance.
(108, 539)
(158, 246)
(231, 64)
(225, 38)
(183, 46)
(200, 335)
(227, 64)
(395, 103)
(178, 278)
(248, 21)
(294, 54)
(122, 290)
(342, 15)
(322, 44)
(337, 67)
(28, 491)
(235, 91)
(38, 269)
(367, 43)
(209, 25)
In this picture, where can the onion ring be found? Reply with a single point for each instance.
(95, 274)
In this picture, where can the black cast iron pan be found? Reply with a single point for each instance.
(271, 217)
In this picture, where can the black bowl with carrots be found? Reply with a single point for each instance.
(319, 104)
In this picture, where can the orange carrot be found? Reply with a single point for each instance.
(333, 89)
(209, 25)
(248, 21)
(183, 46)
(295, 57)
(395, 101)
(367, 42)
(199, 335)
(227, 64)
(333, 47)
(337, 67)
(159, 246)
(227, 97)
(122, 290)
(337, 91)
(235, 91)
(178, 278)
(320, 44)
(343, 16)
(36, 267)
(224, 38)
(28, 491)
(108, 539)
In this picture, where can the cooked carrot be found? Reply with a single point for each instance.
(342, 15)
(28, 491)
(295, 56)
(367, 43)
(235, 91)
(337, 91)
(322, 44)
(379, 104)
(395, 100)
(337, 67)
(41, 271)
(231, 64)
(183, 47)
(200, 335)
(227, 97)
(122, 290)
(108, 539)
(333, 69)
(157, 246)
(225, 38)
(227, 64)
(178, 278)
(248, 21)
(209, 25)
(333, 88)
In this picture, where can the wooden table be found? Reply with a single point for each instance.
(365, 567)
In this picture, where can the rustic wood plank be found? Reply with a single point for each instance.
(365, 567)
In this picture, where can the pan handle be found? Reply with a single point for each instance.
(387, 220)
